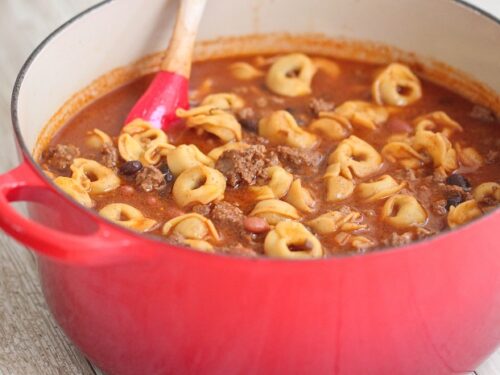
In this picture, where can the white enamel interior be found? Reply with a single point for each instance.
(122, 31)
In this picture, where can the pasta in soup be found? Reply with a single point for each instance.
(289, 156)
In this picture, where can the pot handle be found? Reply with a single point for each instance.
(102, 244)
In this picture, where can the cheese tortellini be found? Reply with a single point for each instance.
(127, 216)
(381, 188)
(218, 122)
(291, 240)
(363, 114)
(279, 183)
(75, 190)
(215, 153)
(403, 212)
(194, 230)
(332, 125)
(299, 197)
(280, 127)
(335, 221)
(438, 121)
(199, 184)
(274, 211)
(291, 75)
(352, 158)
(186, 157)
(463, 213)
(244, 71)
(93, 176)
(356, 158)
(396, 85)
(488, 193)
(139, 140)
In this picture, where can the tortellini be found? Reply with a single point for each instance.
(94, 177)
(145, 133)
(488, 193)
(396, 85)
(428, 145)
(291, 240)
(75, 190)
(463, 213)
(215, 153)
(280, 127)
(141, 141)
(335, 221)
(403, 153)
(274, 211)
(218, 122)
(244, 71)
(333, 125)
(279, 183)
(199, 184)
(327, 66)
(403, 212)
(338, 124)
(224, 100)
(469, 156)
(291, 75)
(127, 216)
(438, 121)
(186, 157)
(438, 147)
(300, 197)
(194, 229)
(337, 187)
(363, 114)
(381, 188)
(355, 158)
(97, 139)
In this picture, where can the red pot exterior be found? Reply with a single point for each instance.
(432, 308)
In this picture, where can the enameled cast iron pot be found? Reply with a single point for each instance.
(135, 305)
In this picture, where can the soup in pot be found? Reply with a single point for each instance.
(290, 156)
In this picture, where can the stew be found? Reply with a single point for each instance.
(288, 156)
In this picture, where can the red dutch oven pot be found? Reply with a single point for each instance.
(136, 305)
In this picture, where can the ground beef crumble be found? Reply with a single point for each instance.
(317, 105)
(109, 156)
(226, 213)
(202, 209)
(245, 166)
(60, 157)
(482, 113)
(301, 161)
(150, 179)
(396, 239)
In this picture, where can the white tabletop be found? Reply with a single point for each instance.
(30, 341)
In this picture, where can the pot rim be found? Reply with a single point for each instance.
(27, 155)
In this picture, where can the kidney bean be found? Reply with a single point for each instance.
(255, 224)
(130, 168)
(152, 201)
(458, 180)
(397, 125)
(127, 190)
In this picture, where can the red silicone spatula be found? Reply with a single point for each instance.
(169, 89)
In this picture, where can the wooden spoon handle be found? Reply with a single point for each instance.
(180, 50)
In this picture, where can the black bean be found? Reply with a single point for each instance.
(167, 173)
(130, 168)
(458, 180)
(453, 200)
